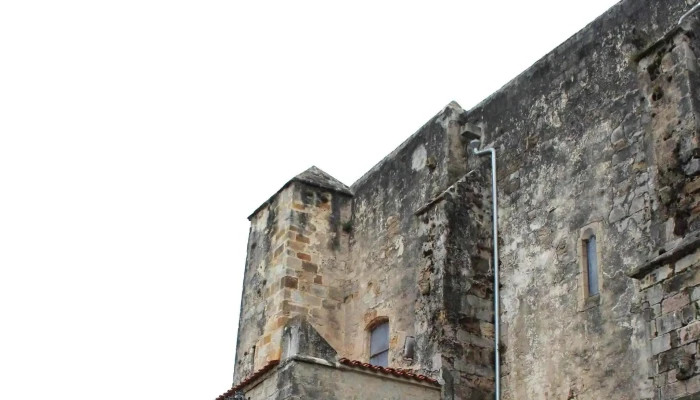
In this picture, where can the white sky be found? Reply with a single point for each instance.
(137, 136)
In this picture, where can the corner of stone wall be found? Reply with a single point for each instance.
(300, 338)
(299, 272)
(668, 72)
(670, 303)
(454, 317)
(310, 265)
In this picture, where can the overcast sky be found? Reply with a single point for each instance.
(137, 136)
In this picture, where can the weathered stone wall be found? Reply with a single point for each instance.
(411, 244)
(420, 252)
(267, 388)
(600, 137)
(304, 379)
(386, 261)
(296, 266)
(309, 369)
(317, 250)
(670, 299)
(467, 336)
(311, 380)
(573, 138)
(263, 241)
(668, 72)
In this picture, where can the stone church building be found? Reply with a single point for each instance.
(385, 289)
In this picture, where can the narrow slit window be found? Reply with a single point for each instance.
(379, 345)
(592, 266)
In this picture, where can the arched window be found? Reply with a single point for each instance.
(379, 345)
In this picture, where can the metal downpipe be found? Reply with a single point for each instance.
(496, 291)
(689, 13)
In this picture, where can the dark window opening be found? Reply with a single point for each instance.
(379, 345)
(592, 266)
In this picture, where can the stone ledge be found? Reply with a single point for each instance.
(686, 246)
(289, 362)
(440, 197)
(665, 39)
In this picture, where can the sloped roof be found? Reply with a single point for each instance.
(397, 372)
(313, 176)
(249, 379)
(317, 177)
(402, 373)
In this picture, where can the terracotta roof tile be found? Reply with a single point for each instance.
(255, 375)
(404, 373)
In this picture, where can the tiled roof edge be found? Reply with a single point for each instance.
(255, 375)
(402, 373)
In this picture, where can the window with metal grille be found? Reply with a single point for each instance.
(379, 345)
(592, 265)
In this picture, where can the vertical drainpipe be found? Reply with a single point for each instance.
(496, 291)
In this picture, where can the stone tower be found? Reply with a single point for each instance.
(297, 255)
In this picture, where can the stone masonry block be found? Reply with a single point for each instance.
(617, 214)
(278, 251)
(695, 293)
(660, 344)
(689, 333)
(654, 294)
(656, 276)
(687, 261)
(487, 329)
(688, 314)
(692, 187)
(667, 360)
(656, 311)
(303, 256)
(692, 385)
(637, 205)
(474, 306)
(692, 167)
(309, 267)
(294, 263)
(673, 390)
(675, 303)
(335, 294)
(296, 246)
(289, 282)
(617, 135)
(303, 239)
(678, 282)
(671, 376)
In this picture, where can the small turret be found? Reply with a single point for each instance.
(297, 255)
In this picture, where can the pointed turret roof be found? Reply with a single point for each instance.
(313, 176)
(316, 177)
